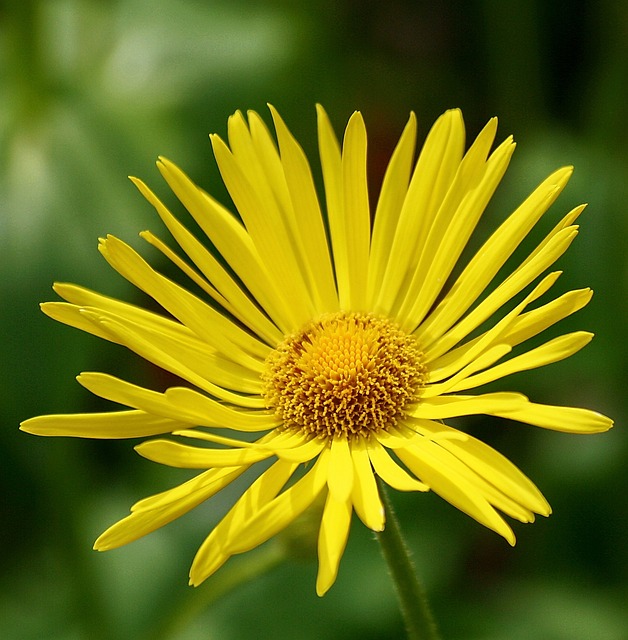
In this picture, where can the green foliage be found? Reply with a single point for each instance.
(92, 91)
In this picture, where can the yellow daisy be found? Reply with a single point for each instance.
(331, 341)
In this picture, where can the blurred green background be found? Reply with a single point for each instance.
(92, 91)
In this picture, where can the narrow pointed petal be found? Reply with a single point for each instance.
(265, 149)
(531, 323)
(188, 270)
(527, 325)
(438, 161)
(84, 298)
(306, 219)
(242, 306)
(489, 340)
(175, 454)
(277, 514)
(332, 540)
(184, 399)
(482, 361)
(158, 349)
(496, 250)
(340, 480)
(454, 482)
(214, 438)
(391, 472)
(365, 495)
(552, 351)
(198, 354)
(301, 453)
(231, 239)
(206, 322)
(171, 505)
(538, 262)
(73, 316)
(566, 419)
(215, 551)
(265, 227)
(449, 235)
(331, 166)
(179, 403)
(389, 203)
(111, 425)
(493, 467)
(443, 407)
(356, 209)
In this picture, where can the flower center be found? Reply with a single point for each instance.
(349, 374)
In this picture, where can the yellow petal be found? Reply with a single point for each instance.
(389, 203)
(450, 232)
(184, 399)
(482, 361)
(531, 323)
(183, 405)
(492, 339)
(215, 550)
(566, 419)
(160, 350)
(231, 240)
(390, 472)
(552, 351)
(331, 166)
(217, 479)
(214, 438)
(332, 540)
(300, 453)
(188, 270)
(73, 316)
(454, 482)
(340, 479)
(248, 188)
(280, 512)
(442, 407)
(198, 355)
(175, 454)
(240, 304)
(525, 326)
(432, 332)
(149, 516)
(365, 496)
(305, 218)
(493, 254)
(493, 467)
(266, 151)
(207, 323)
(438, 161)
(395, 437)
(115, 424)
(85, 298)
(356, 209)
(257, 497)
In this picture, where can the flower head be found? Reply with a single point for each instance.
(330, 344)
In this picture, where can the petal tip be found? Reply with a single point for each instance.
(323, 586)
(24, 426)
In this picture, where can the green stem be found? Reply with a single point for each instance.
(417, 616)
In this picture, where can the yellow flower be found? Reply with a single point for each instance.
(331, 343)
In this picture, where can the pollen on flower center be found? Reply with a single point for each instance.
(348, 374)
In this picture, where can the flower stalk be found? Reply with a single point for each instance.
(413, 602)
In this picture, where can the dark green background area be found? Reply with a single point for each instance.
(92, 91)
